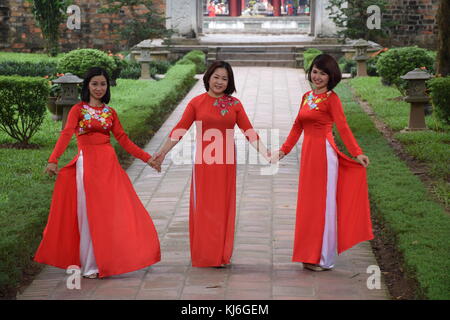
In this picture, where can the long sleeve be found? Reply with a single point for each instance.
(293, 136)
(125, 142)
(245, 125)
(66, 134)
(338, 116)
(184, 124)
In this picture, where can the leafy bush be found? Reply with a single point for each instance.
(79, 61)
(396, 62)
(440, 97)
(308, 57)
(161, 67)
(131, 71)
(23, 103)
(27, 68)
(350, 65)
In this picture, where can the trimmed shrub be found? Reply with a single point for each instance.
(440, 97)
(308, 57)
(396, 62)
(27, 68)
(23, 103)
(197, 58)
(79, 61)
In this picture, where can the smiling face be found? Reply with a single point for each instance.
(218, 82)
(320, 79)
(97, 87)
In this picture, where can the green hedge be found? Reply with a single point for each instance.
(308, 57)
(28, 68)
(440, 97)
(196, 57)
(23, 102)
(25, 192)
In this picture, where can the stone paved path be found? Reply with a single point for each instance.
(261, 266)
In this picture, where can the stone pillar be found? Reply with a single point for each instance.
(324, 27)
(233, 8)
(276, 8)
(183, 16)
(312, 14)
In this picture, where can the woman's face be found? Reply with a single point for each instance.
(218, 82)
(98, 87)
(319, 78)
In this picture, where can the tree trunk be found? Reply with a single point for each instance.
(443, 54)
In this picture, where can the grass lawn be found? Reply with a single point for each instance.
(429, 147)
(399, 199)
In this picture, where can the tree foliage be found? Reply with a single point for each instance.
(141, 26)
(49, 14)
(352, 17)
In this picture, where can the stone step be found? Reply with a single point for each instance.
(262, 63)
(256, 48)
(256, 56)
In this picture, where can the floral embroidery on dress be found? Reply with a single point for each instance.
(224, 103)
(104, 116)
(313, 100)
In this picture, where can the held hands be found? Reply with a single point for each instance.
(277, 156)
(51, 169)
(363, 159)
(156, 161)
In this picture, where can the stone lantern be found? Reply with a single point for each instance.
(69, 94)
(361, 57)
(417, 97)
(144, 60)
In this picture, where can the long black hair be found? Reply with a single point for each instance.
(93, 72)
(231, 88)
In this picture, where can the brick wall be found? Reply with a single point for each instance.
(417, 25)
(96, 28)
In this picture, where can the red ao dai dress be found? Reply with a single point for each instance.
(212, 208)
(96, 219)
(333, 212)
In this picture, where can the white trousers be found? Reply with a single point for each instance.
(87, 258)
(329, 242)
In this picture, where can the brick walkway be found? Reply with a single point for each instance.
(261, 266)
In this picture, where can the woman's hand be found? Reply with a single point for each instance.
(277, 156)
(156, 161)
(51, 169)
(363, 159)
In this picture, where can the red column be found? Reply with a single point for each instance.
(276, 8)
(234, 8)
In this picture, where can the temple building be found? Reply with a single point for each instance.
(193, 18)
